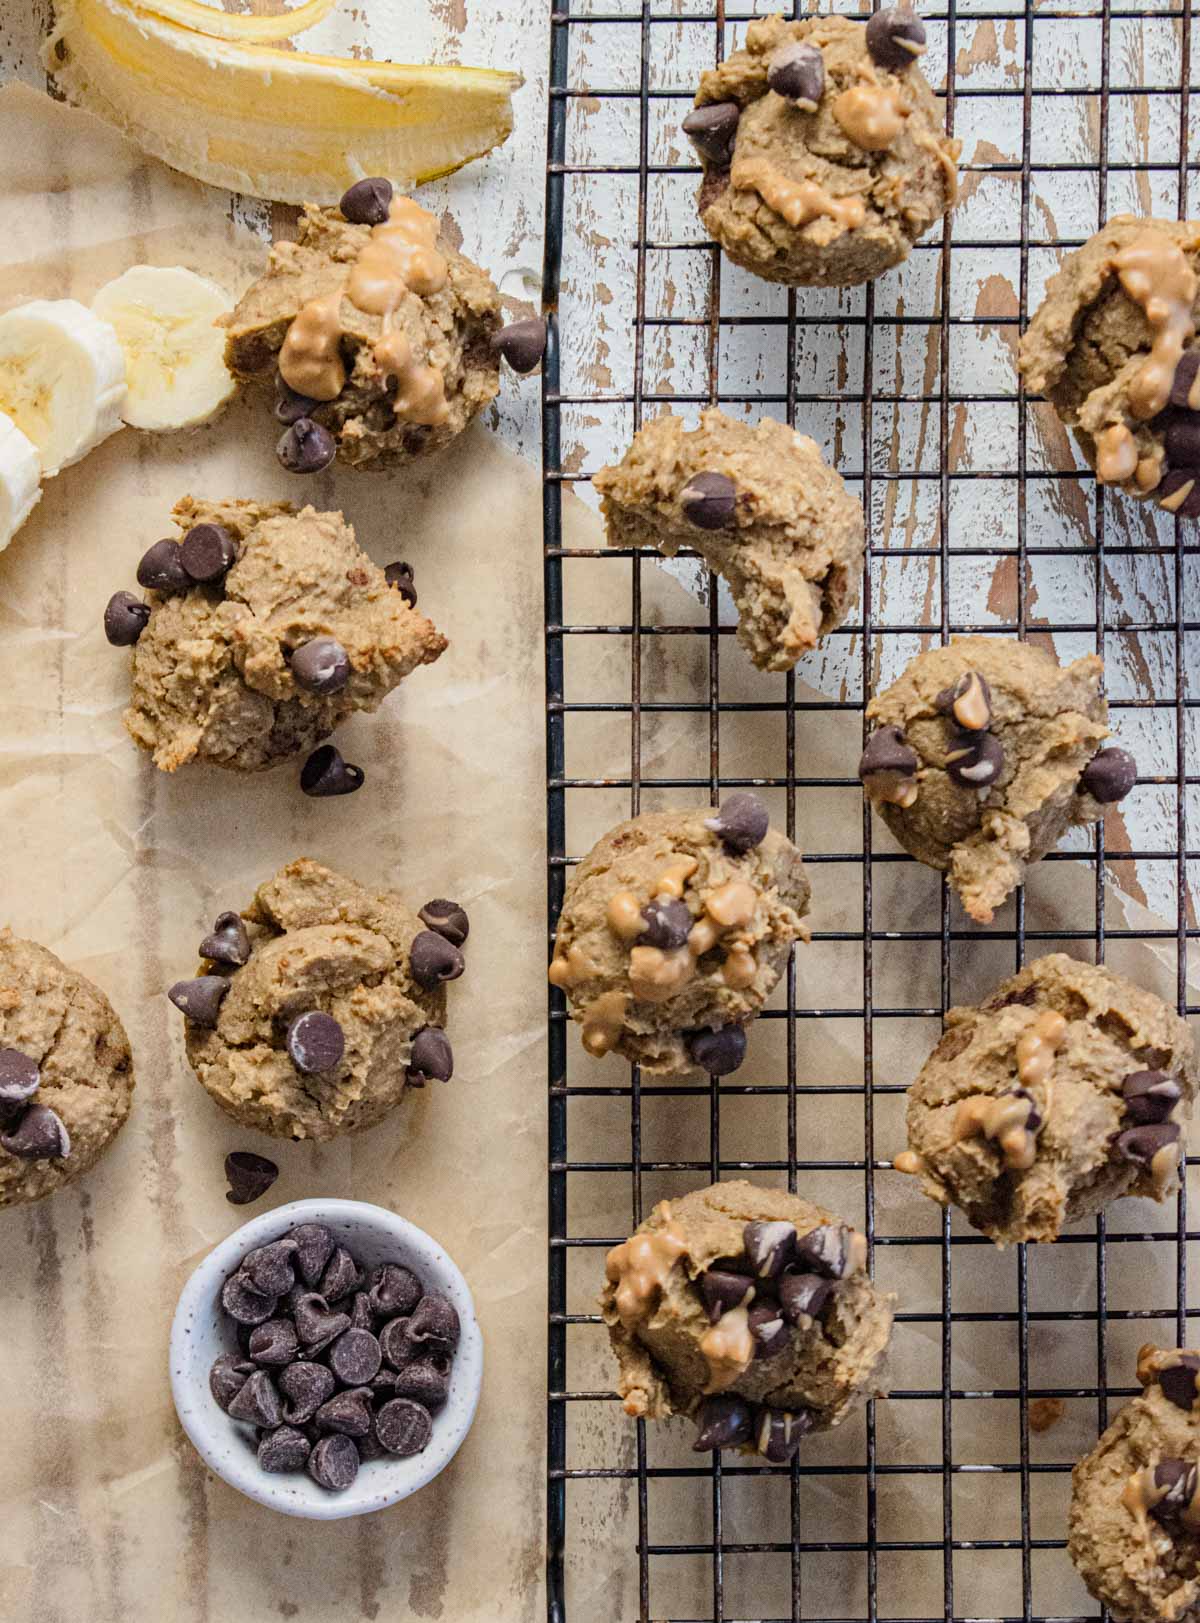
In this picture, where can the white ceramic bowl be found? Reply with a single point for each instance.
(201, 1331)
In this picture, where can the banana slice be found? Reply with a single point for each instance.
(62, 378)
(20, 479)
(175, 368)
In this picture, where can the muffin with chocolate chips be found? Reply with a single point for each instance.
(984, 753)
(318, 1005)
(674, 931)
(823, 149)
(262, 630)
(1065, 1089)
(762, 508)
(750, 1310)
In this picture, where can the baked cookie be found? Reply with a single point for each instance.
(262, 631)
(749, 1309)
(66, 1073)
(374, 331)
(1134, 1529)
(674, 930)
(823, 150)
(761, 507)
(1064, 1090)
(319, 1004)
(984, 753)
(1112, 347)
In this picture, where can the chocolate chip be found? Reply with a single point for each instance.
(432, 1058)
(721, 1291)
(1179, 1381)
(315, 1043)
(271, 1269)
(780, 1432)
(306, 1387)
(1184, 380)
(333, 1464)
(433, 959)
(370, 1448)
(803, 1296)
(314, 1246)
(249, 1175)
(708, 501)
(160, 568)
(208, 552)
(667, 922)
(367, 202)
(1183, 484)
(38, 1135)
(1177, 1480)
(1150, 1096)
(348, 1413)
(1141, 1144)
(243, 1303)
(401, 577)
(314, 1321)
(321, 665)
(887, 753)
(394, 1289)
(258, 1402)
(433, 1325)
(769, 1247)
(447, 918)
(227, 1377)
(769, 1330)
(797, 71)
(306, 447)
(825, 1250)
(125, 618)
(284, 1449)
(394, 1343)
(895, 38)
(717, 1052)
(403, 1427)
(712, 129)
(290, 406)
(426, 1382)
(362, 1315)
(325, 774)
(228, 942)
(1109, 775)
(974, 760)
(1181, 440)
(521, 343)
(274, 1342)
(724, 1422)
(741, 823)
(342, 1275)
(20, 1079)
(355, 1357)
(199, 1000)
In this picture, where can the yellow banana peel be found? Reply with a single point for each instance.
(216, 24)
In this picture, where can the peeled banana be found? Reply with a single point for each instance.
(20, 479)
(62, 378)
(175, 370)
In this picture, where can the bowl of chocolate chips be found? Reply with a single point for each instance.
(326, 1360)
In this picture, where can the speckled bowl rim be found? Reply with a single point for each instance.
(199, 1331)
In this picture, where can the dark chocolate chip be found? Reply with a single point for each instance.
(426, 1382)
(709, 501)
(367, 202)
(342, 1275)
(125, 618)
(887, 752)
(199, 1000)
(721, 1291)
(1184, 380)
(741, 823)
(228, 942)
(348, 1413)
(243, 1303)
(20, 1079)
(668, 923)
(362, 1314)
(1182, 484)
(284, 1449)
(321, 665)
(1141, 1144)
(306, 1387)
(160, 568)
(717, 1052)
(290, 406)
(779, 1432)
(433, 1325)
(803, 1296)
(333, 1463)
(1109, 775)
(403, 1427)
(271, 1269)
(1182, 441)
(370, 1448)
(522, 344)
(258, 1402)
(1177, 1480)
(825, 1250)
(724, 1422)
(712, 129)
(306, 447)
(447, 918)
(325, 773)
(797, 71)
(394, 1290)
(314, 1321)
(208, 552)
(433, 959)
(227, 1377)
(394, 1343)
(314, 1246)
(769, 1329)
(355, 1357)
(249, 1175)
(973, 688)
(37, 1135)
(274, 1342)
(401, 577)
(432, 1058)
(895, 38)
(974, 760)
(1150, 1096)
(769, 1247)
(1179, 1381)
(315, 1043)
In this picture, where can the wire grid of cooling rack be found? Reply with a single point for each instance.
(623, 1458)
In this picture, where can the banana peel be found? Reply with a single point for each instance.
(278, 124)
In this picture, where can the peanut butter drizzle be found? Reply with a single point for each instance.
(1140, 1495)
(872, 115)
(568, 968)
(909, 1161)
(892, 788)
(399, 257)
(1148, 473)
(740, 967)
(603, 1023)
(420, 393)
(728, 1347)
(1037, 1046)
(655, 976)
(731, 904)
(639, 1267)
(1156, 275)
(1003, 1119)
(1176, 499)
(703, 937)
(1164, 1164)
(796, 201)
(624, 915)
(947, 154)
(675, 876)
(971, 709)
(1116, 455)
(311, 359)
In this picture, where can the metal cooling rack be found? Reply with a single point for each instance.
(622, 1457)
